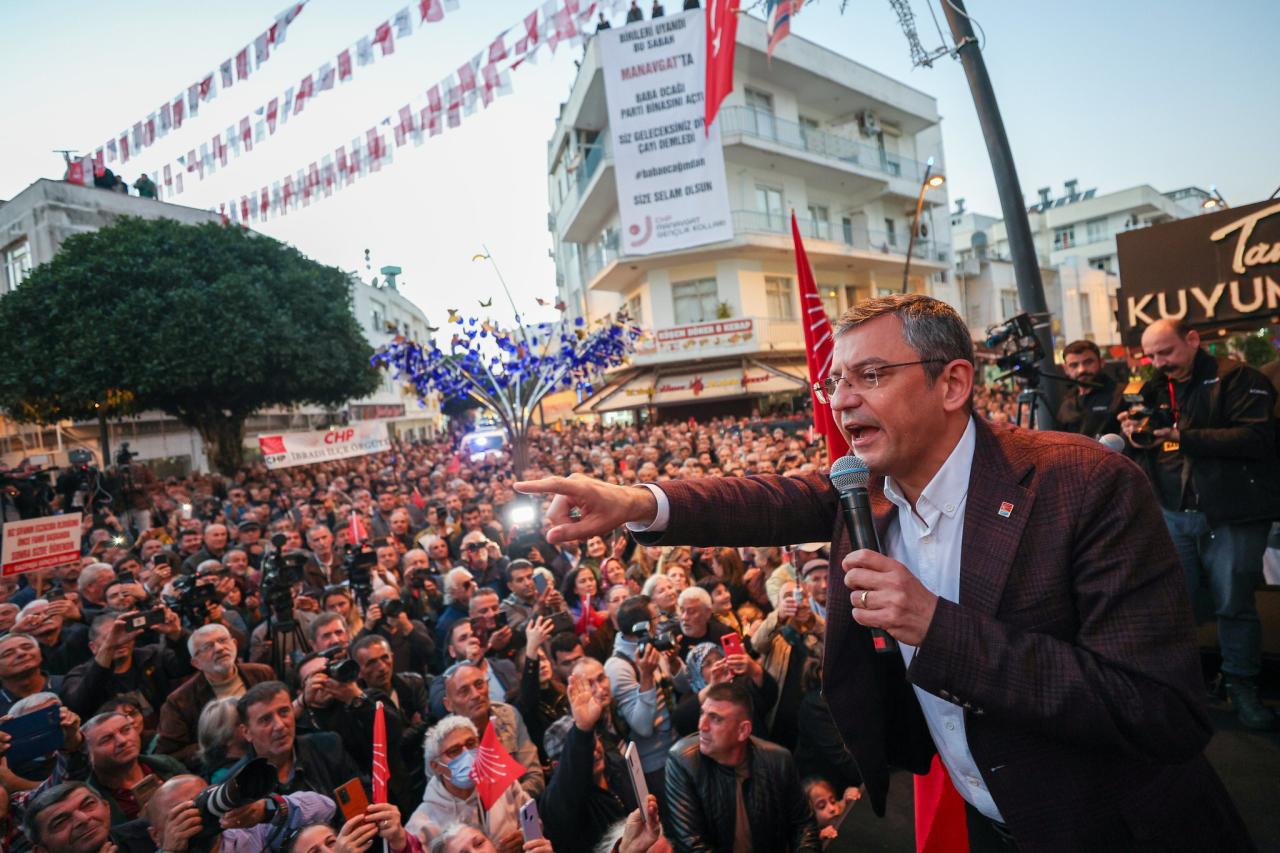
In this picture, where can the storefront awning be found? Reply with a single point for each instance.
(748, 378)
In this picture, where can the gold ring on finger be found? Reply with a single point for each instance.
(862, 599)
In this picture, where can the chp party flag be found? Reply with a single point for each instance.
(356, 534)
(495, 770)
(381, 772)
(818, 344)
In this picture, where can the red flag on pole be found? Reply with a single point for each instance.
(495, 770)
(818, 344)
(722, 35)
(381, 772)
(355, 531)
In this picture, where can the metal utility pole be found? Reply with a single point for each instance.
(1026, 265)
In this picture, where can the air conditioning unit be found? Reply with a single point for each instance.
(868, 123)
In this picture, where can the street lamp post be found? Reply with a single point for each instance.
(1215, 200)
(927, 183)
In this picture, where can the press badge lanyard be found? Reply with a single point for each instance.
(1173, 402)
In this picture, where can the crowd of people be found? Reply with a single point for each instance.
(214, 621)
(238, 635)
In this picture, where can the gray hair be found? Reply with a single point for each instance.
(27, 703)
(651, 583)
(31, 605)
(483, 592)
(92, 723)
(217, 726)
(93, 572)
(202, 632)
(205, 564)
(441, 842)
(440, 731)
(694, 593)
(451, 580)
(930, 326)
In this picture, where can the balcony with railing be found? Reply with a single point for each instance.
(598, 255)
(759, 124)
(760, 222)
(583, 168)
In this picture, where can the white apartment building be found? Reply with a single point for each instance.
(811, 131)
(33, 226)
(1075, 240)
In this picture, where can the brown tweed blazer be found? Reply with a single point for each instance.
(1071, 649)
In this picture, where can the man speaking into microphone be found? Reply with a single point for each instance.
(1045, 648)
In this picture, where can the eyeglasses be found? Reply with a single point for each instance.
(862, 380)
(457, 749)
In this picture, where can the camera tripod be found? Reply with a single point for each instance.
(1031, 397)
(286, 638)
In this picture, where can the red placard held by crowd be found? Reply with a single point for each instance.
(40, 543)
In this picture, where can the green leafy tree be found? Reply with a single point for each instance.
(206, 323)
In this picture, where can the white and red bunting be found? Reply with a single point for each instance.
(475, 83)
(276, 111)
(170, 115)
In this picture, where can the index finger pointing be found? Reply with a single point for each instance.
(546, 486)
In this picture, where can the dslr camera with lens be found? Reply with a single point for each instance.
(1147, 419)
(665, 637)
(341, 668)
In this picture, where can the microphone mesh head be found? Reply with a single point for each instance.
(850, 472)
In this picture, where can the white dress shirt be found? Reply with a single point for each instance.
(927, 540)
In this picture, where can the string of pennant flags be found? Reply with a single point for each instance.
(273, 113)
(186, 104)
(477, 82)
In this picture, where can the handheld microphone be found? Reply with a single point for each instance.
(850, 476)
(1111, 441)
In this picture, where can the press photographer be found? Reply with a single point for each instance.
(1090, 408)
(1204, 432)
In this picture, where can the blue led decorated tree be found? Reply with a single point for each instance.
(510, 371)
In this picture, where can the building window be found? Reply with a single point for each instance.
(890, 233)
(377, 311)
(1086, 315)
(635, 311)
(830, 302)
(847, 225)
(695, 301)
(1096, 230)
(769, 203)
(809, 133)
(777, 294)
(1064, 238)
(819, 222)
(1102, 262)
(760, 113)
(1008, 304)
(17, 264)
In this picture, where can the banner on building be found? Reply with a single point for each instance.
(1216, 270)
(284, 450)
(40, 543)
(672, 192)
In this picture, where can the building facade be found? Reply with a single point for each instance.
(1075, 240)
(809, 131)
(33, 226)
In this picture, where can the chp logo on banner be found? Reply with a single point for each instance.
(287, 449)
(40, 543)
(670, 169)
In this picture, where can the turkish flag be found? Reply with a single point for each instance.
(495, 770)
(381, 772)
(75, 172)
(818, 344)
(722, 34)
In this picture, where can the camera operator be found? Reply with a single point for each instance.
(411, 643)
(63, 644)
(262, 825)
(483, 558)
(1088, 409)
(1206, 438)
(421, 592)
(120, 666)
(640, 677)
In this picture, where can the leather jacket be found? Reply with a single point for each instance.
(702, 796)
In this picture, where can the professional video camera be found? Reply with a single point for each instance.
(1147, 419)
(249, 780)
(341, 668)
(280, 572)
(193, 598)
(1020, 349)
(664, 637)
(359, 563)
(28, 490)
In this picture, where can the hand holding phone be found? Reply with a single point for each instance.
(634, 770)
(732, 644)
(351, 799)
(530, 821)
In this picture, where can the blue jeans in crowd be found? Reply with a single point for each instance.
(1226, 559)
